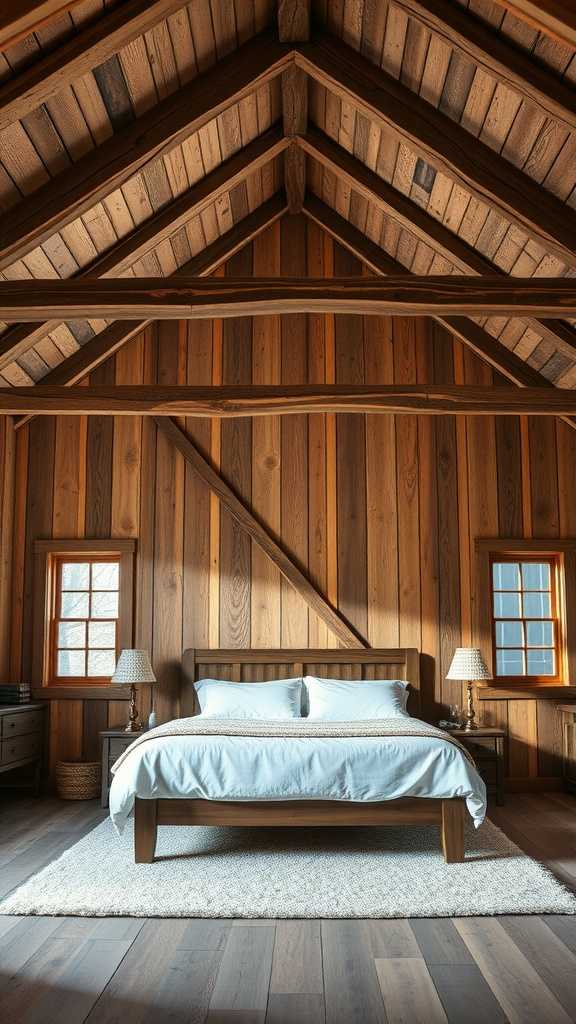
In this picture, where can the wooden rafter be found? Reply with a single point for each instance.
(234, 401)
(495, 55)
(200, 298)
(155, 133)
(418, 222)
(20, 17)
(557, 18)
(153, 231)
(294, 27)
(442, 142)
(96, 351)
(92, 45)
(260, 535)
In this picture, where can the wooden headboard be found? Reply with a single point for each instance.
(252, 666)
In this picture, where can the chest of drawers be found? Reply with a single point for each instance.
(22, 739)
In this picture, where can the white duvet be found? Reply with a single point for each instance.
(363, 768)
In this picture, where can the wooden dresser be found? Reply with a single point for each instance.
(22, 739)
(568, 712)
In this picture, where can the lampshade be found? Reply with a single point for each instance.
(468, 665)
(133, 667)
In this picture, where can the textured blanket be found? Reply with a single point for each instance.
(293, 728)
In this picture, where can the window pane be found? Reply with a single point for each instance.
(75, 576)
(101, 663)
(510, 663)
(509, 634)
(105, 605)
(71, 663)
(537, 606)
(539, 634)
(535, 576)
(105, 575)
(71, 634)
(540, 663)
(506, 575)
(507, 606)
(74, 605)
(102, 634)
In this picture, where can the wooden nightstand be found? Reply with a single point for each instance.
(22, 739)
(568, 712)
(114, 743)
(487, 749)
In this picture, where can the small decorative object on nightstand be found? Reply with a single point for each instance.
(134, 667)
(114, 743)
(469, 666)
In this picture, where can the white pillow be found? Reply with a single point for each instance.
(338, 700)
(218, 698)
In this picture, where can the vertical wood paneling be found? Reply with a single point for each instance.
(236, 461)
(351, 463)
(266, 442)
(381, 511)
(294, 433)
(7, 503)
(168, 536)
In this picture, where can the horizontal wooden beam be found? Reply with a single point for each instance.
(260, 535)
(492, 52)
(198, 299)
(160, 226)
(156, 132)
(442, 142)
(18, 18)
(89, 47)
(556, 18)
(234, 401)
(418, 222)
(96, 351)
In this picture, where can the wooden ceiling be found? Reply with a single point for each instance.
(139, 138)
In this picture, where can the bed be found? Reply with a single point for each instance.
(156, 778)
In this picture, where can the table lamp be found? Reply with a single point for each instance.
(469, 667)
(133, 667)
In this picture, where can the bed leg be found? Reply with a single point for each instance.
(453, 831)
(145, 827)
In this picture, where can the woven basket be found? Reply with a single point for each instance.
(76, 780)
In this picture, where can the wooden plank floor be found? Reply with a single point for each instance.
(112, 970)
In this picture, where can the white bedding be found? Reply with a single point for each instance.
(286, 768)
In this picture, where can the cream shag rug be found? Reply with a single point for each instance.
(227, 872)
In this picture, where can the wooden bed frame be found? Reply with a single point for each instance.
(258, 665)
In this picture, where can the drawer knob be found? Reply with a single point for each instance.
(12, 725)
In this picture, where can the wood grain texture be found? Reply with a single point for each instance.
(236, 297)
(554, 17)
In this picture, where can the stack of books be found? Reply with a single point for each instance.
(15, 693)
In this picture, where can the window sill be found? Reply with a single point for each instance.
(519, 691)
(81, 693)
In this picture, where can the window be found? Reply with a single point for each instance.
(82, 611)
(525, 624)
(85, 618)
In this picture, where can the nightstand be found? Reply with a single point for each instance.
(22, 740)
(487, 749)
(114, 743)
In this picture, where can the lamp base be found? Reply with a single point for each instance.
(469, 723)
(132, 725)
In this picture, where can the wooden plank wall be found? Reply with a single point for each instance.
(382, 512)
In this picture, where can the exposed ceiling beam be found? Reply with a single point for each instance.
(413, 218)
(294, 27)
(496, 55)
(467, 331)
(92, 45)
(260, 535)
(163, 224)
(160, 129)
(442, 142)
(199, 298)
(234, 401)
(556, 18)
(96, 351)
(20, 17)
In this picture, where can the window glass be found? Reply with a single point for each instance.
(524, 616)
(86, 618)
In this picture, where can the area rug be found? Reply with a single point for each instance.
(283, 873)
